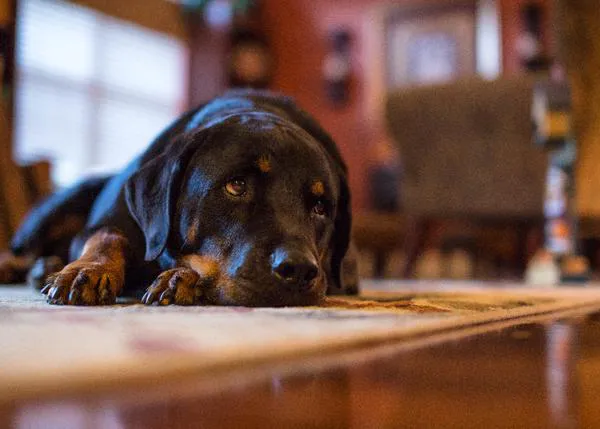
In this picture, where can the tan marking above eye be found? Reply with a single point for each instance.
(264, 164)
(317, 188)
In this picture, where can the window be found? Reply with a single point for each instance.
(91, 91)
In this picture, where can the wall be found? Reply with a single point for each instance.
(298, 31)
(510, 16)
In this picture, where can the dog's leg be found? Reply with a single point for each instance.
(190, 284)
(97, 277)
(13, 269)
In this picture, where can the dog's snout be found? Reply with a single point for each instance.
(294, 268)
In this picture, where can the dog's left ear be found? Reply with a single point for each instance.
(341, 237)
(151, 194)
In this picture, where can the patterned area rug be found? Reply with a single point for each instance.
(48, 348)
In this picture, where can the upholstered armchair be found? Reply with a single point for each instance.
(467, 153)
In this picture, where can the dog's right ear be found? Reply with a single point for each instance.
(151, 194)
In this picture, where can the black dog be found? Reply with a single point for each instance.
(243, 201)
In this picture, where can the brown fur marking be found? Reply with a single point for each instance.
(264, 164)
(97, 277)
(205, 266)
(317, 188)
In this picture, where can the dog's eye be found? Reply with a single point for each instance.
(236, 187)
(320, 209)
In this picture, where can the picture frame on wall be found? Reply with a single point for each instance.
(431, 44)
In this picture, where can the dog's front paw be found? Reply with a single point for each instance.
(181, 286)
(83, 283)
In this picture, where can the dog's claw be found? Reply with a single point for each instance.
(145, 298)
(75, 296)
(104, 291)
(150, 296)
(46, 288)
(166, 297)
(56, 292)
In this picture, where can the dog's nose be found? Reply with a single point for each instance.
(294, 268)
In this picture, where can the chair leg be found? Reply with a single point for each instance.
(414, 244)
(530, 239)
(379, 264)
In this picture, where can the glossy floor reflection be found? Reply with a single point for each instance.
(528, 376)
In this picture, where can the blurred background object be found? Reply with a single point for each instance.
(468, 158)
(529, 44)
(337, 67)
(447, 172)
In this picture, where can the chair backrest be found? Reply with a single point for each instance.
(467, 149)
(31, 183)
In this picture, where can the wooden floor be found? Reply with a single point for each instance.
(537, 375)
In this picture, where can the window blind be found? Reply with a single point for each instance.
(91, 90)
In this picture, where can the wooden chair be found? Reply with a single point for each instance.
(20, 186)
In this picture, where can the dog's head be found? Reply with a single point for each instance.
(252, 201)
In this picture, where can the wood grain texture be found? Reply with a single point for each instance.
(14, 201)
